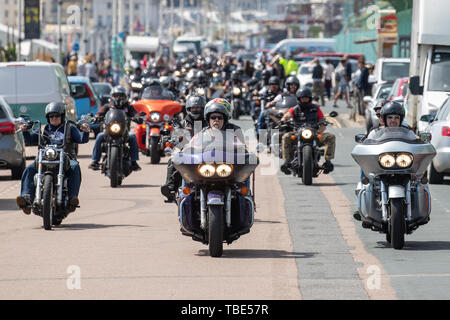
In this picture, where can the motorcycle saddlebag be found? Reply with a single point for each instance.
(241, 213)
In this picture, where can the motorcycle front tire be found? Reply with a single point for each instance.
(307, 154)
(47, 204)
(215, 231)
(155, 155)
(114, 167)
(397, 223)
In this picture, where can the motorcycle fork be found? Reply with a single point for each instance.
(385, 200)
(39, 178)
(147, 137)
(60, 180)
(204, 208)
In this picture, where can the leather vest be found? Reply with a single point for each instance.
(310, 116)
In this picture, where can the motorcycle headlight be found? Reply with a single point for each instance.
(200, 91)
(215, 75)
(224, 170)
(136, 85)
(50, 154)
(115, 128)
(236, 91)
(206, 170)
(307, 134)
(155, 117)
(177, 73)
(386, 160)
(404, 160)
(244, 90)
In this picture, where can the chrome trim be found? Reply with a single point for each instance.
(228, 207)
(384, 201)
(203, 209)
(408, 201)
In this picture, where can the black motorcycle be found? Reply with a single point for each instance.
(115, 162)
(52, 162)
(215, 203)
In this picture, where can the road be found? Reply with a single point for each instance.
(125, 243)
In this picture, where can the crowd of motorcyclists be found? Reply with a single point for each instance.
(212, 91)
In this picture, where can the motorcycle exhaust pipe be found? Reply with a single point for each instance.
(228, 207)
(384, 201)
(408, 201)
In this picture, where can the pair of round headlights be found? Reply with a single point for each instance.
(402, 160)
(222, 170)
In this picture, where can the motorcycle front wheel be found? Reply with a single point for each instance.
(397, 223)
(155, 155)
(47, 205)
(114, 167)
(307, 154)
(215, 231)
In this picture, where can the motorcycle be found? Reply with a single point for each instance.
(154, 135)
(115, 162)
(238, 103)
(52, 162)
(394, 197)
(215, 203)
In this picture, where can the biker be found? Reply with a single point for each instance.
(308, 112)
(119, 101)
(194, 109)
(235, 81)
(54, 134)
(268, 95)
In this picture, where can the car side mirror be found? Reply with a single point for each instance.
(360, 138)
(425, 136)
(427, 118)
(414, 86)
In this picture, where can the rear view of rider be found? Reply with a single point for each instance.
(119, 101)
(54, 134)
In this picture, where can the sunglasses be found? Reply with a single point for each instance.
(216, 118)
(393, 117)
(54, 116)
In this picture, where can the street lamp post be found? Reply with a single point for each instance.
(59, 32)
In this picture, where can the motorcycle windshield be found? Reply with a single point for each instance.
(387, 134)
(115, 116)
(287, 102)
(215, 147)
(156, 93)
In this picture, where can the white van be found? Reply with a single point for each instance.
(29, 86)
(297, 46)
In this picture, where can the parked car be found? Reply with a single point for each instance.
(439, 127)
(304, 75)
(12, 145)
(103, 90)
(390, 69)
(399, 89)
(381, 91)
(86, 99)
(29, 86)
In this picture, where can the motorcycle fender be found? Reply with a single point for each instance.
(215, 198)
(396, 191)
(154, 132)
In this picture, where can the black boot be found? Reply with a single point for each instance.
(286, 167)
(327, 167)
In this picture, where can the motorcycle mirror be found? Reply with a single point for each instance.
(142, 114)
(425, 136)
(360, 137)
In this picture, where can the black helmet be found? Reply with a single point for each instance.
(55, 107)
(290, 80)
(304, 93)
(265, 75)
(274, 80)
(195, 101)
(392, 107)
(119, 95)
(218, 105)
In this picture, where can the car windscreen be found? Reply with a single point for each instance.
(384, 92)
(391, 71)
(102, 89)
(439, 72)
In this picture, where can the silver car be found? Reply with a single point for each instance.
(439, 127)
(12, 146)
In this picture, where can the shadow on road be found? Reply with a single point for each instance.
(5, 178)
(331, 184)
(260, 253)
(87, 226)
(84, 156)
(266, 221)
(419, 245)
(140, 186)
(8, 204)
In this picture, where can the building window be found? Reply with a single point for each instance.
(404, 47)
(109, 5)
(6, 13)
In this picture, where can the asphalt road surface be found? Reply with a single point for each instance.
(125, 243)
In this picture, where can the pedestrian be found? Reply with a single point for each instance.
(362, 85)
(72, 66)
(329, 70)
(89, 69)
(342, 79)
(317, 77)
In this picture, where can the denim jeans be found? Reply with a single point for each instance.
(97, 152)
(73, 180)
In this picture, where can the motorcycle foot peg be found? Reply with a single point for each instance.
(366, 225)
